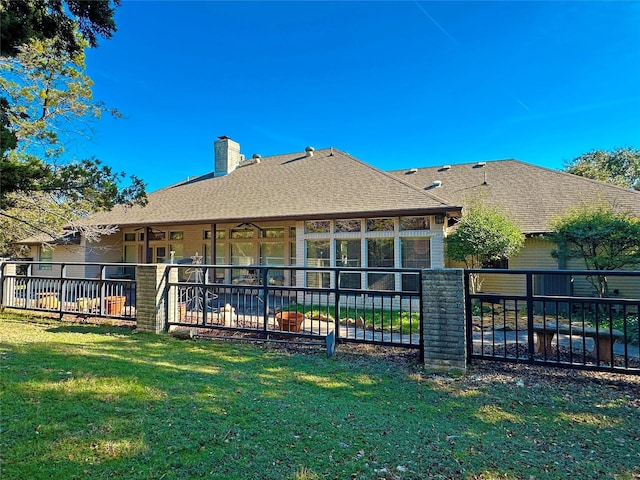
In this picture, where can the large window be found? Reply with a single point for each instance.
(348, 254)
(318, 255)
(416, 253)
(380, 253)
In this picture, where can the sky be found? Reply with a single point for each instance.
(398, 84)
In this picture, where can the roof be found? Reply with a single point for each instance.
(328, 184)
(531, 195)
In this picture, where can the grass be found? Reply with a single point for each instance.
(96, 402)
(379, 319)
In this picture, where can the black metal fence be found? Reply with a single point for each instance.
(104, 290)
(374, 306)
(560, 318)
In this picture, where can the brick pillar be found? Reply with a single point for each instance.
(444, 319)
(152, 304)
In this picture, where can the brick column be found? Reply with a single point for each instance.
(152, 304)
(444, 319)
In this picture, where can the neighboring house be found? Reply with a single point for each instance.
(531, 196)
(310, 208)
(326, 208)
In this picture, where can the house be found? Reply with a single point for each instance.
(530, 195)
(327, 208)
(309, 208)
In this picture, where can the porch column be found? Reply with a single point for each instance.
(444, 329)
(154, 305)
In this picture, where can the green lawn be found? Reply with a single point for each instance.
(96, 402)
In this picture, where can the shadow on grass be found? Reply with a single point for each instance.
(138, 406)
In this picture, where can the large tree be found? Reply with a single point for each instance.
(483, 234)
(620, 166)
(601, 236)
(24, 20)
(49, 102)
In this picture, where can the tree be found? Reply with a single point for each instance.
(58, 20)
(618, 167)
(604, 238)
(50, 100)
(483, 235)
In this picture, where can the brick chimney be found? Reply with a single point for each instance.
(227, 155)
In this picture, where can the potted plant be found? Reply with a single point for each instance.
(290, 321)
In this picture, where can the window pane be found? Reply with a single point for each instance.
(271, 253)
(243, 233)
(318, 253)
(380, 252)
(317, 226)
(176, 235)
(273, 233)
(380, 224)
(178, 250)
(130, 237)
(155, 235)
(416, 252)
(221, 253)
(348, 226)
(242, 254)
(131, 253)
(348, 253)
(414, 223)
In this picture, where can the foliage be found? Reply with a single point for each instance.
(103, 402)
(603, 238)
(50, 100)
(22, 21)
(620, 166)
(483, 234)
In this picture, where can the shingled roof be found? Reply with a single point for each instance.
(532, 196)
(327, 184)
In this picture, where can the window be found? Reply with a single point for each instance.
(379, 224)
(348, 226)
(176, 235)
(157, 235)
(130, 237)
(414, 223)
(318, 255)
(46, 255)
(348, 254)
(272, 233)
(380, 253)
(271, 253)
(219, 234)
(131, 253)
(178, 251)
(243, 233)
(317, 226)
(416, 253)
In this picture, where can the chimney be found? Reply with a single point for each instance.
(227, 155)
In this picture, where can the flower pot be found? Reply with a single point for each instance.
(290, 321)
(114, 305)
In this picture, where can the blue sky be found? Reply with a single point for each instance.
(396, 84)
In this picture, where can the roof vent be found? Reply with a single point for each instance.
(437, 183)
(256, 155)
(309, 151)
(479, 164)
(445, 168)
(412, 170)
